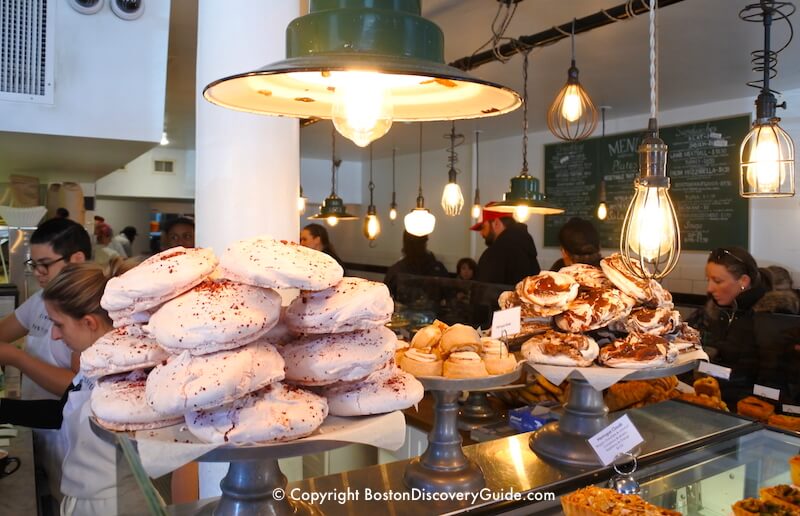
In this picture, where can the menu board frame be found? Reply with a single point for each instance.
(702, 163)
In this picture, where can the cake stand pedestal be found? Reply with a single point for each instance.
(565, 442)
(444, 467)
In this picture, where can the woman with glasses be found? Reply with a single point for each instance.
(727, 321)
(47, 364)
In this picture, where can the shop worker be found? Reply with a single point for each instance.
(178, 232)
(511, 252)
(123, 241)
(47, 364)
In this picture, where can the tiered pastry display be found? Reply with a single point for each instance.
(226, 362)
(636, 317)
(456, 351)
(598, 501)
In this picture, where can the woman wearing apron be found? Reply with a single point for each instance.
(89, 474)
(47, 364)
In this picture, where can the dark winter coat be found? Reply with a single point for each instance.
(510, 258)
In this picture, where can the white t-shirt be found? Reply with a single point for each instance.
(32, 315)
(121, 245)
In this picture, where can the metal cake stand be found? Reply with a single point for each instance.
(565, 442)
(444, 467)
(253, 476)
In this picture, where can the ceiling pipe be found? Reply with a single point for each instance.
(547, 37)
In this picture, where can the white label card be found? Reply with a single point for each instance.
(618, 438)
(791, 409)
(766, 392)
(715, 370)
(506, 321)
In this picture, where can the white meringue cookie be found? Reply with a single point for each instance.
(119, 351)
(118, 403)
(385, 390)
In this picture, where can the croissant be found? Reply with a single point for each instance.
(707, 385)
(624, 394)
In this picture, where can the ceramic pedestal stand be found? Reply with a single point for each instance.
(565, 442)
(444, 467)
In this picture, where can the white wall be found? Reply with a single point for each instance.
(138, 178)
(774, 223)
(315, 176)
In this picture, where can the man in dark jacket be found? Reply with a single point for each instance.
(511, 252)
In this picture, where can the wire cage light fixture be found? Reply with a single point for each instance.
(767, 152)
(572, 115)
(452, 198)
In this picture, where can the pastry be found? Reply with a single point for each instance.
(460, 337)
(352, 304)
(556, 348)
(187, 382)
(664, 384)
(784, 421)
(118, 403)
(638, 352)
(419, 363)
(508, 299)
(427, 337)
(616, 271)
(703, 400)
(755, 408)
(160, 278)
(794, 469)
(626, 394)
(214, 316)
(123, 318)
(277, 412)
(464, 364)
(783, 495)
(496, 357)
(548, 292)
(400, 349)
(587, 276)
(756, 507)
(655, 321)
(685, 338)
(597, 501)
(659, 296)
(592, 309)
(709, 386)
(119, 351)
(326, 359)
(385, 390)
(266, 262)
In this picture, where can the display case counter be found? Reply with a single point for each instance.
(684, 445)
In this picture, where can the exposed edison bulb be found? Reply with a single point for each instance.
(362, 107)
(372, 227)
(651, 224)
(476, 211)
(393, 213)
(420, 222)
(521, 213)
(571, 107)
(764, 175)
(602, 211)
(301, 204)
(452, 199)
(332, 221)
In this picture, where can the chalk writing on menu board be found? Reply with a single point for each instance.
(703, 164)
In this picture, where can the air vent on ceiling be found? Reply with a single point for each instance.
(26, 53)
(164, 166)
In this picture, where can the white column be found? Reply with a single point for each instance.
(248, 165)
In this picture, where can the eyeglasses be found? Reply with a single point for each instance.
(719, 253)
(41, 267)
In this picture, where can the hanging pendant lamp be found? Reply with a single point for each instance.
(420, 221)
(333, 209)
(573, 115)
(650, 242)
(372, 225)
(524, 198)
(602, 207)
(363, 64)
(476, 203)
(452, 198)
(393, 205)
(767, 152)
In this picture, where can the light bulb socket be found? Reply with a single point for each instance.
(477, 197)
(653, 159)
(394, 200)
(452, 175)
(572, 74)
(420, 202)
(766, 108)
(602, 191)
(372, 210)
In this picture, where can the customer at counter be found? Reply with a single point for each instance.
(466, 269)
(511, 252)
(580, 243)
(315, 236)
(416, 260)
(728, 325)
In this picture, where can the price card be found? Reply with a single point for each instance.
(766, 392)
(791, 409)
(506, 321)
(715, 370)
(619, 437)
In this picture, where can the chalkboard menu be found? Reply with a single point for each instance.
(703, 164)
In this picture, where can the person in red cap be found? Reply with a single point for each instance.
(510, 254)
